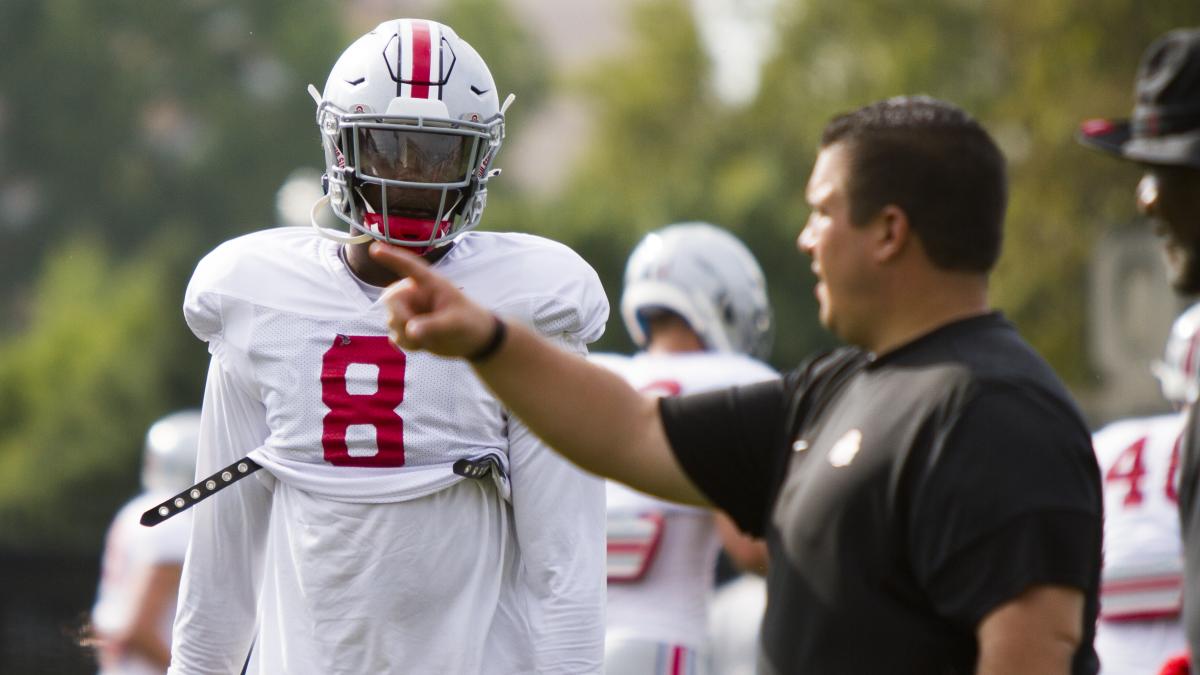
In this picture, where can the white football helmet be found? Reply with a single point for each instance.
(1180, 366)
(410, 122)
(169, 459)
(705, 275)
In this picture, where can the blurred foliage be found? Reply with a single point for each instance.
(666, 149)
(640, 170)
(134, 137)
(122, 123)
(506, 45)
(1059, 63)
(124, 119)
(104, 355)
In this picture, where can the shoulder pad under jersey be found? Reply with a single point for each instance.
(531, 279)
(287, 269)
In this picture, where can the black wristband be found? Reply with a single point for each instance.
(499, 331)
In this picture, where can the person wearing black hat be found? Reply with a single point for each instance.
(1163, 137)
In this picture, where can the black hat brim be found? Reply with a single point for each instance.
(1105, 135)
(1116, 138)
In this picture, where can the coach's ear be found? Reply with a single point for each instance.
(892, 233)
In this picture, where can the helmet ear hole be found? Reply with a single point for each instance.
(727, 313)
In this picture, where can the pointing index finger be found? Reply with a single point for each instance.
(401, 262)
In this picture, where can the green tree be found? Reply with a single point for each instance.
(666, 149)
(105, 354)
(124, 119)
(123, 123)
(1030, 73)
(517, 62)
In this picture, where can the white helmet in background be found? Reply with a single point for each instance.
(1180, 366)
(706, 276)
(410, 123)
(169, 460)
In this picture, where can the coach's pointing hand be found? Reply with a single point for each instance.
(427, 312)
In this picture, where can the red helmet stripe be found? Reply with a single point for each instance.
(422, 58)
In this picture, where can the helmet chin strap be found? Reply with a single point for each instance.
(328, 233)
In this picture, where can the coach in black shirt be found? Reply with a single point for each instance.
(930, 495)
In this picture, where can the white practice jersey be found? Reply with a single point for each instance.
(662, 556)
(131, 551)
(1141, 587)
(734, 621)
(361, 550)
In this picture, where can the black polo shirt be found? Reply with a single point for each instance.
(902, 497)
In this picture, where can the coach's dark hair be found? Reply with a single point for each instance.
(935, 162)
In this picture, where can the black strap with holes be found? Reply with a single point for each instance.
(200, 491)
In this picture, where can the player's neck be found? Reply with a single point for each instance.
(361, 265)
(673, 339)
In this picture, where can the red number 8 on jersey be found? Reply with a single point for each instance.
(376, 409)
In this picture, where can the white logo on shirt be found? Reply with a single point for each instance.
(843, 452)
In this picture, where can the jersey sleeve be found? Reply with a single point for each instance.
(215, 620)
(559, 513)
(220, 316)
(1009, 499)
(727, 443)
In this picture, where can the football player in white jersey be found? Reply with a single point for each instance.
(695, 301)
(734, 621)
(1141, 590)
(404, 522)
(139, 576)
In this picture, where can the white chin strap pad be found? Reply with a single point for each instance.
(339, 237)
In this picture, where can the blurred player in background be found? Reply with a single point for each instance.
(405, 522)
(695, 302)
(139, 579)
(734, 620)
(1141, 589)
